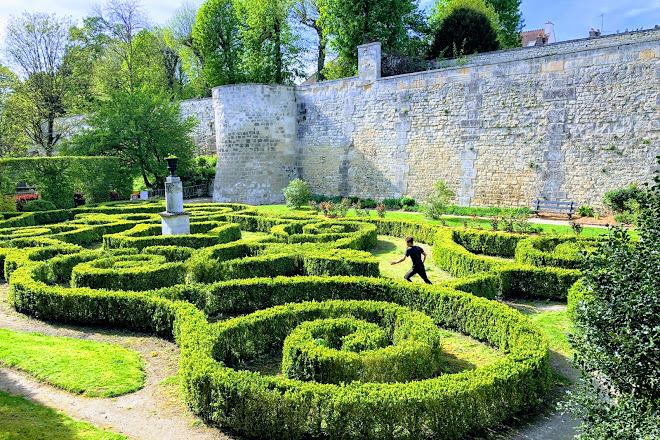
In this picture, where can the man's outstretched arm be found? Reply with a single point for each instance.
(399, 260)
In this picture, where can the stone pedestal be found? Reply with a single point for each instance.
(173, 194)
(174, 221)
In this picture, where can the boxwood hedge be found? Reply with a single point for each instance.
(279, 282)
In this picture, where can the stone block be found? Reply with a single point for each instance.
(559, 94)
(175, 224)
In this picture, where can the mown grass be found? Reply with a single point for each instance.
(449, 221)
(552, 318)
(392, 248)
(21, 419)
(91, 368)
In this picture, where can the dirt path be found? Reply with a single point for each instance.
(153, 413)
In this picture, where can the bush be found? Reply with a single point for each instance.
(395, 345)
(463, 32)
(616, 199)
(438, 200)
(407, 202)
(7, 204)
(297, 193)
(585, 211)
(22, 199)
(392, 203)
(39, 205)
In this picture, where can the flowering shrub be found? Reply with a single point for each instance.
(22, 199)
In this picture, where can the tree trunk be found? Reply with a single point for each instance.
(320, 60)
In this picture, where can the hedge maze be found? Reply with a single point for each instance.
(361, 356)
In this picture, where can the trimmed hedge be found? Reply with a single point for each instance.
(343, 350)
(212, 282)
(553, 251)
(128, 272)
(447, 406)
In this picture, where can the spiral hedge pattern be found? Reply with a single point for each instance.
(361, 356)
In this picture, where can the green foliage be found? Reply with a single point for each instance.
(215, 37)
(297, 193)
(379, 342)
(350, 24)
(23, 419)
(246, 41)
(442, 9)
(464, 28)
(585, 211)
(78, 366)
(511, 22)
(57, 177)
(142, 129)
(7, 204)
(13, 141)
(35, 43)
(438, 200)
(39, 205)
(214, 357)
(615, 328)
(617, 199)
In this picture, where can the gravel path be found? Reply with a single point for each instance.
(153, 413)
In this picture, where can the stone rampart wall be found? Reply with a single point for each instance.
(567, 121)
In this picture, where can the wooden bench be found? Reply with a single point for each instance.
(554, 207)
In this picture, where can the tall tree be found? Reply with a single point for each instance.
(87, 45)
(122, 20)
(179, 36)
(36, 44)
(13, 141)
(142, 128)
(215, 36)
(269, 47)
(511, 22)
(351, 23)
(464, 31)
(308, 13)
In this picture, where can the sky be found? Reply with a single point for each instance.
(572, 19)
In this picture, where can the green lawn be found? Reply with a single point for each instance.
(554, 322)
(449, 221)
(21, 419)
(78, 366)
(392, 248)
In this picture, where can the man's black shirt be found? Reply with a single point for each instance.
(415, 254)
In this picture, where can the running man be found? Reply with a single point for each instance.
(418, 257)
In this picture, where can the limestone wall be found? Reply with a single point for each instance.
(204, 133)
(567, 121)
(255, 136)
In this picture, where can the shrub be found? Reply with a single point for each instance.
(78, 199)
(437, 202)
(407, 202)
(576, 227)
(39, 205)
(7, 204)
(297, 193)
(616, 199)
(585, 211)
(343, 207)
(22, 199)
(392, 203)
(380, 210)
(395, 345)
